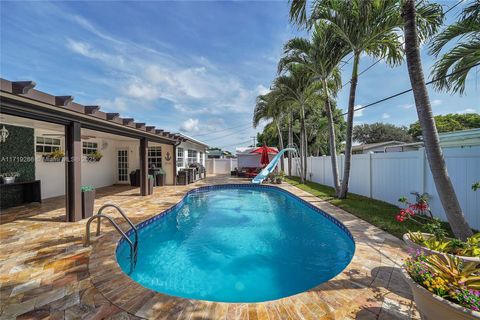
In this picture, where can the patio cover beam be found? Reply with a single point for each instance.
(143, 167)
(73, 174)
(22, 107)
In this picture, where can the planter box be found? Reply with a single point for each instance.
(433, 307)
(51, 159)
(92, 159)
(88, 201)
(150, 186)
(412, 245)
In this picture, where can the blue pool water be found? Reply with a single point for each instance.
(240, 244)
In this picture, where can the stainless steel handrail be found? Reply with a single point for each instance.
(98, 216)
(116, 206)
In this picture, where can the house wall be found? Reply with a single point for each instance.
(186, 145)
(388, 176)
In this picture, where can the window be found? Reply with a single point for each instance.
(46, 145)
(180, 158)
(201, 158)
(89, 147)
(155, 157)
(192, 156)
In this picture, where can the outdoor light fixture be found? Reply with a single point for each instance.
(3, 134)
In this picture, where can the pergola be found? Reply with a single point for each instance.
(19, 98)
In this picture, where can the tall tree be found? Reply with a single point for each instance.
(296, 84)
(449, 122)
(380, 132)
(464, 55)
(425, 116)
(321, 56)
(270, 106)
(368, 27)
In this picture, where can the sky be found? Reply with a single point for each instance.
(193, 67)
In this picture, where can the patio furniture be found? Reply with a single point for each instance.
(17, 193)
(182, 177)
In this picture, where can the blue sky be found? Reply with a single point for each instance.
(194, 67)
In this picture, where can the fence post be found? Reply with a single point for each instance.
(421, 170)
(370, 175)
(213, 166)
(324, 157)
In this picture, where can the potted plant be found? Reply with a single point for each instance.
(280, 177)
(9, 177)
(88, 201)
(94, 156)
(443, 286)
(55, 156)
(434, 240)
(150, 184)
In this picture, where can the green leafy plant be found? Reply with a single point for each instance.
(150, 177)
(447, 277)
(476, 186)
(55, 155)
(10, 175)
(94, 156)
(87, 188)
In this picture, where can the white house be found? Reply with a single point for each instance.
(190, 150)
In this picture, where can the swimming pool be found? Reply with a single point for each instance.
(238, 243)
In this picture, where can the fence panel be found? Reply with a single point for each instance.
(387, 176)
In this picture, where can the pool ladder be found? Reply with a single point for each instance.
(133, 245)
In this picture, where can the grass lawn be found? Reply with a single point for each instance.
(378, 213)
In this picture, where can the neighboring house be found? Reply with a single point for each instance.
(247, 159)
(375, 147)
(463, 138)
(454, 139)
(219, 154)
(190, 151)
(33, 124)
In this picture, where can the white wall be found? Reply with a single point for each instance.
(387, 176)
(187, 145)
(220, 166)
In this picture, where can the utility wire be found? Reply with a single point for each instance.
(226, 129)
(377, 61)
(411, 89)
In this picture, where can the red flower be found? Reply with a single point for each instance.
(410, 212)
(399, 218)
(402, 213)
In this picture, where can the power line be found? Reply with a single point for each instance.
(377, 61)
(411, 89)
(226, 129)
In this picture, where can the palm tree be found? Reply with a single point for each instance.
(429, 132)
(367, 27)
(321, 56)
(271, 106)
(464, 55)
(296, 84)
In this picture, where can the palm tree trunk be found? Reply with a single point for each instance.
(349, 134)
(280, 146)
(290, 143)
(305, 138)
(434, 153)
(332, 138)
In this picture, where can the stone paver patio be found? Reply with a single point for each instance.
(47, 273)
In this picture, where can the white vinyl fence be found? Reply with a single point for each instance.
(220, 166)
(387, 176)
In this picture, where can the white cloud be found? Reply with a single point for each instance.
(190, 125)
(385, 115)
(140, 91)
(358, 113)
(114, 105)
(468, 110)
(407, 106)
(436, 102)
(261, 89)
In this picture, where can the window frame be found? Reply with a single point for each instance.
(157, 157)
(89, 147)
(43, 144)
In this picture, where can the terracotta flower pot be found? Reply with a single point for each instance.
(412, 245)
(433, 307)
(88, 201)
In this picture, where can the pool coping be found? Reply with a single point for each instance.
(316, 303)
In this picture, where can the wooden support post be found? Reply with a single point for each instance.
(73, 168)
(143, 167)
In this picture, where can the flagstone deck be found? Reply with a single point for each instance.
(46, 272)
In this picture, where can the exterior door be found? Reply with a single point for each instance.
(122, 165)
